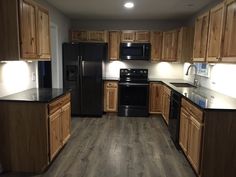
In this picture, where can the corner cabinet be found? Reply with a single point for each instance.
(155, 97)
(24, 31)
(169, 45)
(156, 38)
(110, 96)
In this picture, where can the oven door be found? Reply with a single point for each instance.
(133, 99)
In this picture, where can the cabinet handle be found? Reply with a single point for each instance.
(32, 40)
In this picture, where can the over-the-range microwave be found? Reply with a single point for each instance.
(135, 51)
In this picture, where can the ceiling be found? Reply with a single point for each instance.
(144, 9)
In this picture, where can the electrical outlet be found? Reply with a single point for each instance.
(33, 76)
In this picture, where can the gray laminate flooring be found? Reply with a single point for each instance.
(118, 147)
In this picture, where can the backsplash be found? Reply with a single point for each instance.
(16, 76)
(156, 70)
(221, 78)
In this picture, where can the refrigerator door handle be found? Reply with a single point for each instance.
(82, 62)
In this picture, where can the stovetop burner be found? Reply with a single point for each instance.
(134, 75)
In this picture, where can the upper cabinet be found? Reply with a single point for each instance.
(114, 45)
(156, 43)
(229, 33)
(185, 44)
(169, 45)
(135, 36)
(88, 36)
(24, 31)
(215, 33)
(200, 38)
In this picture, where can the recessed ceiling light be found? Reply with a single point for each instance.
(129, 5)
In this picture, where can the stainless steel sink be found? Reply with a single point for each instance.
(182, 85)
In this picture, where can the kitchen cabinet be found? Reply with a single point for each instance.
(89, 36)
(22, 38)
(166, 103)
(229, 36)
(169, 45)
(215, 33)
(190, 133)
(114, 45)
(110, 96)
(200, 38)
(155, 97)
(156, 38)
(59, 124)
(33, 133)
(135, 36)
(185, 44)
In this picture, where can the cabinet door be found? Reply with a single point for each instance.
(128, 36)
(142, 36)
(155, 98)
(195, 143)
(79, 36)
(110, 96)
(183, 130)
(97, 36)
(44, 49)
(114, 45)
(65, 122)
(156, 42)
(180, 43)
(200, 37)
(55, 133)
(215, 33)
(169, 48)
(229, 37)
(28, 35)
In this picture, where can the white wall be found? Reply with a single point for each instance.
(222, 78)
(16, 76)
(160, 70)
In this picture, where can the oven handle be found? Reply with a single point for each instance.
(134, 84)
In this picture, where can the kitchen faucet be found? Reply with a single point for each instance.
(195, 81)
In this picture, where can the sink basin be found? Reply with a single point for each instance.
(182, 85)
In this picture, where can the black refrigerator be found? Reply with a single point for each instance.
(82, 73)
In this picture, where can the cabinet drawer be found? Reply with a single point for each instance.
(111, 84)
(197, 113)
(55, 105)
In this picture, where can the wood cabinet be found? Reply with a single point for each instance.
(135, 36)
(169, 45)
(110, 96)
(229, 36)
(215, 33)
(155, 97)
(200, 38)
(166, 103)
(88, 36)
(24, 31)
(33, 133)
(185, 44)
(59, 124)
(190, 133)
(114, 45)
(156, 38)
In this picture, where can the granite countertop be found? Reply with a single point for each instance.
(44, 95)
(202, 97)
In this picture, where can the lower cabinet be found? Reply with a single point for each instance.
(110, 96)
(59, 124)
(166, 103)
(190, 134)
(155, 98)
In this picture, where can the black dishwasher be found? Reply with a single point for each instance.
(174, 118)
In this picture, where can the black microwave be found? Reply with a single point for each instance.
(135, 51)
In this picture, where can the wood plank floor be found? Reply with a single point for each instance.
(118, 147)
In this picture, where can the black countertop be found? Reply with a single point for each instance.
(111, 78)
(44, 95)
(202, 97)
